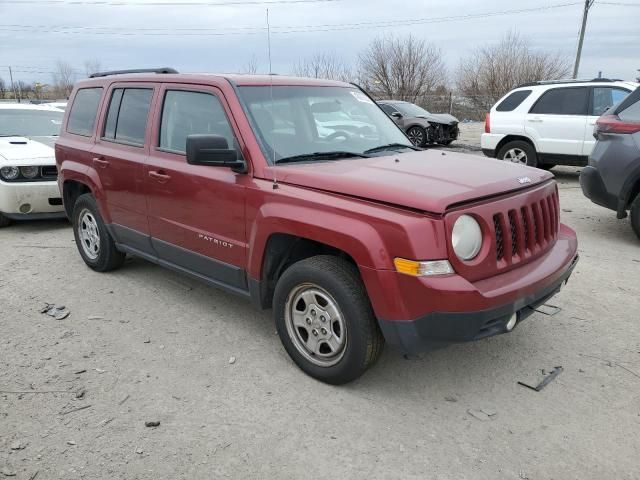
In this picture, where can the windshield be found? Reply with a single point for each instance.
(30, 123)
(294, 121)
(410, 110)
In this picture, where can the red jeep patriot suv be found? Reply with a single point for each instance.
(303, 196)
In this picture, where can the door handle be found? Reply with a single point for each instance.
(534, 120)
(100, 162)
(159, 176)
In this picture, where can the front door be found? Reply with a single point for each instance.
(557, 121)
(196, 212)
(119, 156)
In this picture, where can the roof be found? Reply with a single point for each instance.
(240, 80)
(578, 83)
(28, 106)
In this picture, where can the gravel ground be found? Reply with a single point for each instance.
(145, 344)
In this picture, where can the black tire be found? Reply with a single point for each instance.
(4, 221)
(340, 279)
(108, 257)
(527, 148)
(635, 215)
(417, 135)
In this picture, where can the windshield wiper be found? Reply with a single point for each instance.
(335, 155)
(391, 146)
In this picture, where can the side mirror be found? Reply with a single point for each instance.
(396, 115)
(213, 151)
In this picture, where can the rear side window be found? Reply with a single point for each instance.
(513, 101)
(388, 109)
(605, 98)
(127, 115)
(82, 117)
(563, 101)
(186, 113)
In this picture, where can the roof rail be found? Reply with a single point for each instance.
(135, 70)
(568, 80)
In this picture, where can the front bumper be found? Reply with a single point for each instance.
(594, 189)
(30, 199)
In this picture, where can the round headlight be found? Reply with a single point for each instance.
(466, 237)
(29, 172)
(9, 173)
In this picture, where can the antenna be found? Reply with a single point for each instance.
(275, 179)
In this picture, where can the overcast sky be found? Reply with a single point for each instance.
(34, 34)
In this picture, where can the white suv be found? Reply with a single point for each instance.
(545, 124)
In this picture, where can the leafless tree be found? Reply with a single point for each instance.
(63, 78)
(91, 66)
(3, 88)
(324, 65)
(251, 66)
(491, 71)
(404, 68)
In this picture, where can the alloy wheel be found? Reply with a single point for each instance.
(89, 234)
(516, 155)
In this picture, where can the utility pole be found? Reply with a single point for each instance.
(587, 5)
(13, 86)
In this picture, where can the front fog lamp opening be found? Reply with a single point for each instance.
(466, 237)
(9, 173)
(423, 268)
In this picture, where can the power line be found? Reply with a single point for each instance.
(248, 30)
(110, 3)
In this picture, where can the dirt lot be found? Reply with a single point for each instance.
(145, 344)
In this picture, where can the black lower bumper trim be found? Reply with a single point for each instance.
(489, 152)
(594, 189)
(439, 329)
(35, 216)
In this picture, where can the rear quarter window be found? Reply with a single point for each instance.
(127, 115)
(563, 101)
(82, 117)
(631, 113)
(513, 101)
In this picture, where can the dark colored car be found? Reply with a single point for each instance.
(421, 126)
(612, 178)
(353, 238)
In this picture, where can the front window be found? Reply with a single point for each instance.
(30, 123)
(411, 110)
(300, 121)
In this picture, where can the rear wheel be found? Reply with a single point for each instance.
(520, 152)
(418, 136)
(4, 221)
(635, 215)
(96, 247)
(325, 320)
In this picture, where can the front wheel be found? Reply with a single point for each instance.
(325, 320)
(519, 152)
(418, 136)
(4, 221)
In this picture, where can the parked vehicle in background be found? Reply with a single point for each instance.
(352, 238)
(612, 178)
(28, 188)
(421, 126)
(59, 105)
(544, 124)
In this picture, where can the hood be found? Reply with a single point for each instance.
(443, 118)
(27, 151)
(430, 180)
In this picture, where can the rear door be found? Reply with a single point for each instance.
(602, 98)
(196, 212)
(557, 120)
(119, 156)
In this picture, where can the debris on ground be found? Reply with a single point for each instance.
(80, 393)
(451, 399)
(65, 412)
(95, 317)
(148, 340)
(7, 472)
(547, 309)
(18, 445)
(139, 451)
(123, 400)
(71, 442)
(232, 360)
(547, 379)
(57, 312)
(483, 414)
(80, 371)
(153, 423)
